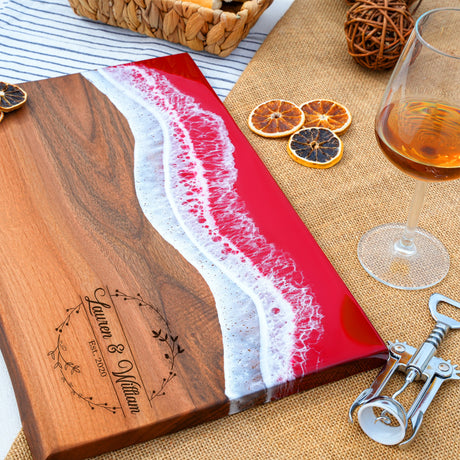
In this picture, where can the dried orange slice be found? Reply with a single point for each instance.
(11, 97)
(315, 147)
(324, 113)
(276, 118)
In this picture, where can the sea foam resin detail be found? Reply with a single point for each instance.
(185, 178)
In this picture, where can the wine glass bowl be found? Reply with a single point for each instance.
(418, 129)
(428, 136)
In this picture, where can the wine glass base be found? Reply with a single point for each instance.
(427, 267)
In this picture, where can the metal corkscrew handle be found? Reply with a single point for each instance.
(420, 360)
(390, 427)
(442, 319)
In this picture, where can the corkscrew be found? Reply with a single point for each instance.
(383, 418)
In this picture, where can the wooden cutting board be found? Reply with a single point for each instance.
(154, 276)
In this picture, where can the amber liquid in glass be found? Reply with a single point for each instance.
(421, 138)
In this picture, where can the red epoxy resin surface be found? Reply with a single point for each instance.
(347, 334)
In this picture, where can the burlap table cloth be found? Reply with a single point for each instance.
(305, 57)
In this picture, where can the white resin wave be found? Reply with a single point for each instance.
(185, 183)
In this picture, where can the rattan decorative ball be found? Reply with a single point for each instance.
(376, 32)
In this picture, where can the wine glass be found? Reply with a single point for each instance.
(418, 129)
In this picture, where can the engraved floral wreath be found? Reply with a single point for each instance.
(67, 368)
(165, 336)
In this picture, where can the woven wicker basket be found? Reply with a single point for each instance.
(215, 31)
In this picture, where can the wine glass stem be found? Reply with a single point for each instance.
(405, 246)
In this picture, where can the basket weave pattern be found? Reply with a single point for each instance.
(215, 31)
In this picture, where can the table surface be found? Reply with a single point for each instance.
(10, 422)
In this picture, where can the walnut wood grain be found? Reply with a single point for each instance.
(72, 234)
(111, 337)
